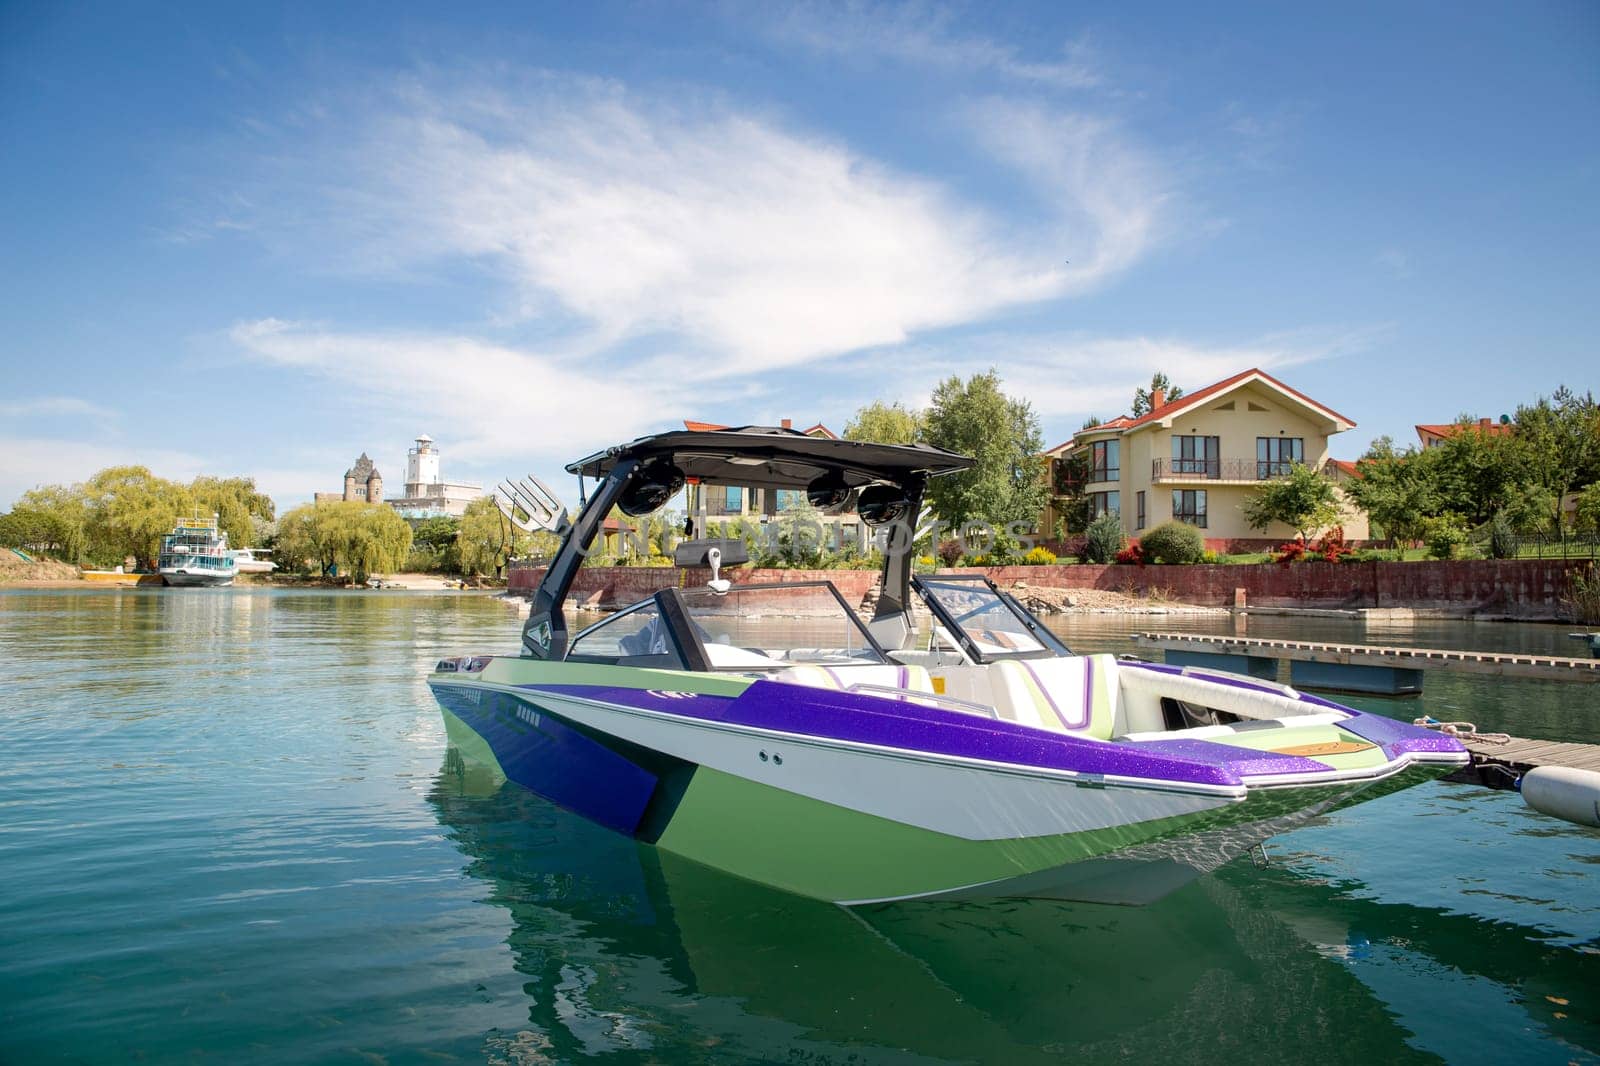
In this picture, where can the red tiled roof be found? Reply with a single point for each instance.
(1344, 465)
(1190, 399)
(707, 427)
(1493, 429)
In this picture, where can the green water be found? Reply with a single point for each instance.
(230, 831)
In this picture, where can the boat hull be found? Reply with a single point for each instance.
(196, 579)
(851, 823)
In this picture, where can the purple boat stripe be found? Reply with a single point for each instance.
(860, 718)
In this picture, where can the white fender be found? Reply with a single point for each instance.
(1564, 792)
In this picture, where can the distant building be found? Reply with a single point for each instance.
(1432, 436)
(427, 494)
(361, 482)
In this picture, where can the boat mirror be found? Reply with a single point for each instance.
(650, 487)
(717, 584)
(698, 552)
(828, 492)
(878, 504)
(530, 505)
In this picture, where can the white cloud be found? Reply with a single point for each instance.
(34, 461)
(927, 35)
(1067, 376)
(52, 406)
(490, 401)
(700, 228)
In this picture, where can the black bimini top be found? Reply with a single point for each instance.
(773, 458)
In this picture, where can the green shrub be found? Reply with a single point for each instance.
(1444, 534)
(1103, 539)
(1040, 556)
(1503, 539)
(1173, 542)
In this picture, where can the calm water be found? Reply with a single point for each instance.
(230, 831)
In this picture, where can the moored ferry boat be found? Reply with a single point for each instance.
(196, 553)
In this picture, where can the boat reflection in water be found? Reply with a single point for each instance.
(629, 949)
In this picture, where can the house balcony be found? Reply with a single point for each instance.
(1215, 471)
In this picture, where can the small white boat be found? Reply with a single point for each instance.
(250, 561)
(196, 553)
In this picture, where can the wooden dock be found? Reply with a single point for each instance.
(1503, 664)
(1498, 763)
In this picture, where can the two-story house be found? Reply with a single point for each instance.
(707, 502)
(1195, 459)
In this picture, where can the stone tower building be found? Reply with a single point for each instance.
(363, 482)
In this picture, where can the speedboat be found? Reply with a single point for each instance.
(769, 732)
(196, 553)
(253, 561)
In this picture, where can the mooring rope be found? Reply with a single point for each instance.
(1462, 730)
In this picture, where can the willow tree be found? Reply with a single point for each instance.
(130, 509)
(236, 503)
(51, 519)
(881, 423)
(362, 538)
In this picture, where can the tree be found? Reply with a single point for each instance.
(1006, 483)
(1072, 503)
(50, 519)
(882, 423)
(1142, 397)
(1304, 500)
(487, 538)
(237, 505)
(1557, 447)
(1396, 490)
(130, 509)
(362, 538)
(1475, 473)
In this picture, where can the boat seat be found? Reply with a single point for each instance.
(1075, 694)
(910, 678)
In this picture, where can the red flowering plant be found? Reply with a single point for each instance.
(1332, 546)
(1290, 552)
(1133, 554)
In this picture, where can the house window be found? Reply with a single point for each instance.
(1189, 505)
(1138, 499)
(735, 499)
(1274, 455)
(1197, 455)
(789, 498)
(1103, 502)
(1105, 461)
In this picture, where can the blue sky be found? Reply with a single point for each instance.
(255, 239)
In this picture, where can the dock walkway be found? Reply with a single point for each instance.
(1504, 664)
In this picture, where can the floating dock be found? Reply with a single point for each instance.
(1357, 667)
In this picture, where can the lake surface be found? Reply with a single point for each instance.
(231, 831)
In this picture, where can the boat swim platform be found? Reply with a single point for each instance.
(1357, 667)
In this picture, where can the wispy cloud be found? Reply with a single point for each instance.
(34, 461)
(490, 401)
(1073, 375)
(53, 406)
(1397, 261)
(930, 35)
(702, 228)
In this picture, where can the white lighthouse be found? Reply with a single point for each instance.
(428, 495)
(422, 467)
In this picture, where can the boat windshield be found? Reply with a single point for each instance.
(748, 629)
(988, 624)
(770, 627)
